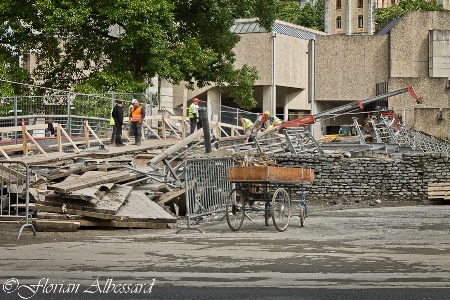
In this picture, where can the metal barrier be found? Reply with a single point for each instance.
(14, 192)
(206, 186)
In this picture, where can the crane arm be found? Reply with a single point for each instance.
(311, 119)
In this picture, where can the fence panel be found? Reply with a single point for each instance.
(14, 192)
(206, 186)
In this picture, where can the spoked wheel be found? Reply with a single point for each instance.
(302, 215)
(281, 209)
(266, 212)
(235, 211)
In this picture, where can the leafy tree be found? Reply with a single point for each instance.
(385, 15)
(311, 16)
(121, 44)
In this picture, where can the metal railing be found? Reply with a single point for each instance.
(14, 193)
(206, 186)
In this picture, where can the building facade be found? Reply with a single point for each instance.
(281, 57)
(357, 16)
(414, 52)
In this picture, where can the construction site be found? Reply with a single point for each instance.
(55, 180)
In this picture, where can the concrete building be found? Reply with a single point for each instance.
(357, 16)
(415, 50)
(281, 57)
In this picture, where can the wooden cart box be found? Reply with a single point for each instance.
(269, 174)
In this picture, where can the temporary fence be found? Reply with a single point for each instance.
(14, 193)
(206, 186)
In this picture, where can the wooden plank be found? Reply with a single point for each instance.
(56, 226)
(442, 184)
(88, 181)
(70, 211)
(171, 196)
(127, 224)
(141, 208)
(18, 147)
(99, 199)
(65, 173)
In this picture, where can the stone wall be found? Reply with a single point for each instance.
(342, 179)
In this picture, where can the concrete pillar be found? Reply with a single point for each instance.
(213, 96)
(267, 98)
(285, 104)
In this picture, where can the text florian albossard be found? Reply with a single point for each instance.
(46, 287)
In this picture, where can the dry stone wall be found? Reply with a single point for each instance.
(341, 179)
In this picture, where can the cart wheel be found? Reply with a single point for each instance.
(266, 213)
(281, 209)
(302, 215)
(235, 210)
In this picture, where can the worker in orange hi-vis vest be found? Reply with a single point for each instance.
(137, 116)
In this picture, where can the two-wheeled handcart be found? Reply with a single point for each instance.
(276, 187)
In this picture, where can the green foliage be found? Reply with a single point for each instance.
(243, 87)
(119, 45)
(385, 15)
(10, 72)
(311, 16)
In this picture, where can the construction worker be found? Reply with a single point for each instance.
(262, 121)
(117, 115)
(137, 116)
(274, 121)
(111, 122)
(193, 114)
(247, 125)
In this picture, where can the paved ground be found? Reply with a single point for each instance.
(340, 248)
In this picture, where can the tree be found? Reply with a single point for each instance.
(311, 16)
(385, 15)
(112, 44)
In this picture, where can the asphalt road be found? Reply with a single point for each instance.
(359, 253)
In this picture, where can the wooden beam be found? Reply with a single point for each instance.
(93, 133)
(4, 154)
(36, 143)
(74, 145)
(171, 196)
(149, 128)
(173, 129)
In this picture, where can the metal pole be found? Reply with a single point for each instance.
(15, 117)
(68, 115)
(274, 88)
(206, 132)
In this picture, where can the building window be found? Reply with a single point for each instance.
(360, 21)
(360, 3)
(338, 4)
(338, 23)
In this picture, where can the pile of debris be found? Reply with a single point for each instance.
(108, 192)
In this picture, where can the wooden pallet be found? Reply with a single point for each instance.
(439, 191)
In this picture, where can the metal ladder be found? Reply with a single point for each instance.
(270, 143)
(362, 141)
(300, 140)
(383, 130)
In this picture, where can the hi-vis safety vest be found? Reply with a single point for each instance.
(275, 121)
(136, 114)
(246, 123)
(111, 120)
(191, 114)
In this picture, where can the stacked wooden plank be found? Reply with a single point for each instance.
(439, 191)
(96, 198)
